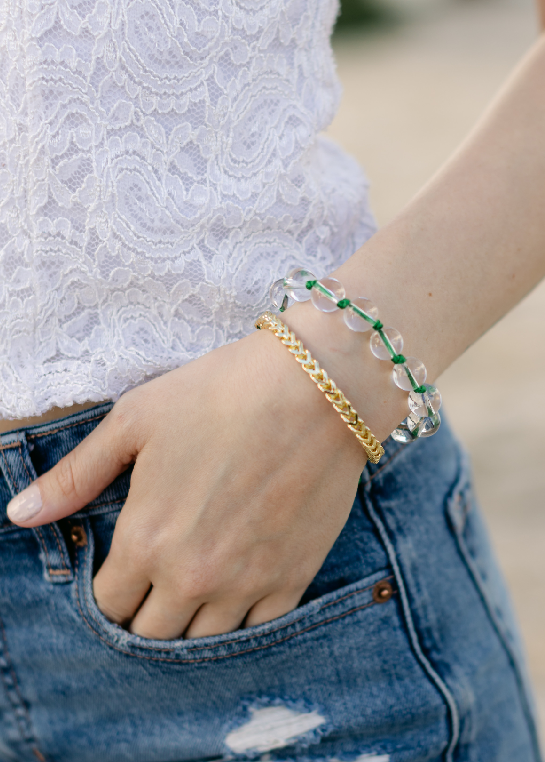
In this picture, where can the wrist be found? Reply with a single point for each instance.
(345, 355)
(297, 410)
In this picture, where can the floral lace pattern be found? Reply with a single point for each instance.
(160, 166)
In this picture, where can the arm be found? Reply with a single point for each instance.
(541, 12)
(232, 524)
(461, 254)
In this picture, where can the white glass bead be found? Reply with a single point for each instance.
(419, 403)
(328, 303)
(354, 321)
(295, 284)
(417, 369)
(379, 349)
(402, 433)
(428, 426)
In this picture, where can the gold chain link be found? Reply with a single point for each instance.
(371, 445)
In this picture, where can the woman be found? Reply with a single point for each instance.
(253, 592)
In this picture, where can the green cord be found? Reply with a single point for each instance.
(397, 359)
(363, 314)
(386, 341)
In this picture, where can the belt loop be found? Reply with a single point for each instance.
(19, 472)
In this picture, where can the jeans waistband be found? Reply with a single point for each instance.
(46, 443)
(28, 452)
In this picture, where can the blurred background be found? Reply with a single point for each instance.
(417, 74)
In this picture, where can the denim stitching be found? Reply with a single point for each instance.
(272, 632)
(211, 658)
(413, 639)
(91, 506)
(65, 569)
(27, 733)
(490, 610)
(387, 463)
(54, 529)
(9, 446)
(249, 637)
(354, 592)
(8, 689)
(13, 483)
(68, 426)
(38, 531)
(108, 502)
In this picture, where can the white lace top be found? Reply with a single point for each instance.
(160, 165)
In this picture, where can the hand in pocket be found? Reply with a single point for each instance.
(244, 477)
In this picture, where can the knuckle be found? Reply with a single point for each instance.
(64, 478)
(197, 584)
(250, 588)
(128, 419)
(108, 600)
(130, 544)
(115, 614)
(122, 415)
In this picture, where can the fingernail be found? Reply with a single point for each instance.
(26, 504)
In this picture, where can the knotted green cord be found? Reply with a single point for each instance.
(397, 359)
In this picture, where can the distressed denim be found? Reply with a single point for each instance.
(403, 648)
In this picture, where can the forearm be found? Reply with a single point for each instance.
(541, 12)
(461, 254)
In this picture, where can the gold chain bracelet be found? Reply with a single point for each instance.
(371, 445)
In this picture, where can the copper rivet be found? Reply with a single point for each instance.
(382, 592)
(78, 536)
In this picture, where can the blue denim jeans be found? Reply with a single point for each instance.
(403, 648)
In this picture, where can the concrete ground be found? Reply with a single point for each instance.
(411, 94)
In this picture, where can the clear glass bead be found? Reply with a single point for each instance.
(402, 433)
(428, 426)
(278, 295)
(378, 348)
(295, 284)
(417, 369)
(354, 321)
(419, 403)
(328, 302)
(412, 421)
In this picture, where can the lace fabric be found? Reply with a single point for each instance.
(161, 164)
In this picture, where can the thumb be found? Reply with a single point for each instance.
(77, 478)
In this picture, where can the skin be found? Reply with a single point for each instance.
(541, 12)
(229, 527)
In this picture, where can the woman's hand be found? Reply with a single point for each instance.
(244, 476)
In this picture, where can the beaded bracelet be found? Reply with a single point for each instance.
(373, 449)
(360, 314)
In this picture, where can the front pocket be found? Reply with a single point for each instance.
(376, 589)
